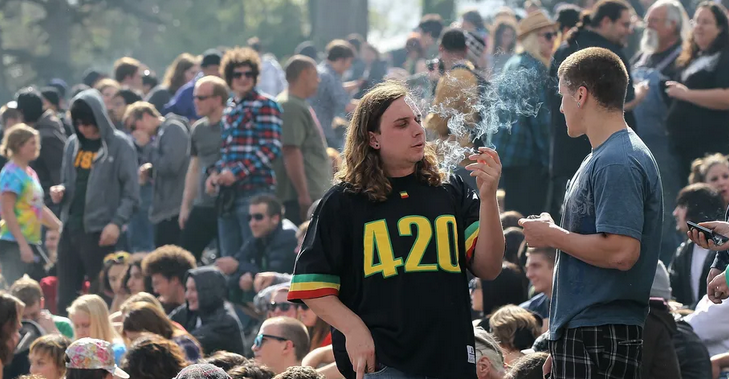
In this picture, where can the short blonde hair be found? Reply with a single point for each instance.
(510, 319)
(95, 307)
(16, 137)
(106, 83)
(136, 110)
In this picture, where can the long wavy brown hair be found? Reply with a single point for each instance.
(362, 169)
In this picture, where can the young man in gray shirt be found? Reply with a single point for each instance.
(169, 138)
(611, 229)
(198, 217)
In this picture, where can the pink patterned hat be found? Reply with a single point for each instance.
(90, 353)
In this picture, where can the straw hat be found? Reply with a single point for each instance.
(533, 21)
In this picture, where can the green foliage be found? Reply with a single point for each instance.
(97, 32)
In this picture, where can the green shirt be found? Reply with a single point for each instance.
(300, 129)
(64, 326)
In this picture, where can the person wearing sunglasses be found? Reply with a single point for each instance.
(524, 151)
(282, 342)
(271, 248)
(280, 307)
(169, 137)
(251, 142)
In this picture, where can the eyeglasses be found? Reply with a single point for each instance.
(247, 74)
(201, 98)
(549, 35)
(116, 258)
(284, 307)
(258, 342)
(256, 216)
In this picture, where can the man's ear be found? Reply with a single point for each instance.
(373, 141)
(483, 367)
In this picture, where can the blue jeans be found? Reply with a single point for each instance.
(140, 231)
(233, 228)
(391, 373)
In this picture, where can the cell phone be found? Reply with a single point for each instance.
(708, 233)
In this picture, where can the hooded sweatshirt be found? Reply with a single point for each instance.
(214, 323)
(48, 164)
(170, 156)
(112, 190)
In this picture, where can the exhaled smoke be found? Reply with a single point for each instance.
(477, 115)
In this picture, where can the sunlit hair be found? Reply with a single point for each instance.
(142, 297)
(52, 347)
(530, 44)
(143, 317)
(95, 307)
(362, 168)
(701, 166)
(514, 327)
(16, 137)
(153, 357)
(175, 74)
(106, 83)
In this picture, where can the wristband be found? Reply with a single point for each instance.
(726, 278)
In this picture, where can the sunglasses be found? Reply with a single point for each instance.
(549, 35)
(116, 258)
(256, 216)
(258, 342)
(201, 98)
(284, 307)
(247, 74)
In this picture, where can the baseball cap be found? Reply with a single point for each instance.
(202, 371)
(91, 354)
(211, 57)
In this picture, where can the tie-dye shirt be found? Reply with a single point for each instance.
(28, 206)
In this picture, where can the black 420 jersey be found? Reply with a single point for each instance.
(401, 266)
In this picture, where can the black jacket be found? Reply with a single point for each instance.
(275, 252)
(693, 357)
(680, 273)
(659, 354)
(220, 328)
(49, 163)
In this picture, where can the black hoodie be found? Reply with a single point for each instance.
(49, 162)
(214, 323)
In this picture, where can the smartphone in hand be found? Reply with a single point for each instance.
(708, 233)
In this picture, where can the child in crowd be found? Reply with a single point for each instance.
(47, 356)
(90, 317)
(90, 358)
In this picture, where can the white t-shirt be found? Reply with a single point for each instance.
(697, 266)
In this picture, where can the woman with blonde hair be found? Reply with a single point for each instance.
(713, 170)
(90, 317)
(182, 70)
(428, 230)
(515, 329)
(109, 88)
(23, 210)
(525, 148)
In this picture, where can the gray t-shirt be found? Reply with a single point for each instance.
(205, 145)
(617, 190)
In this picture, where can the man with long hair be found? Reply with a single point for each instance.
(388, 248)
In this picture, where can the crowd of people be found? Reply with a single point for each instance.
(244, 218)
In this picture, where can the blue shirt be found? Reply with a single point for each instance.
(617, 190)
(538, 304)
(182, 103)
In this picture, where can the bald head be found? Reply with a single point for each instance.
(302, 76)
